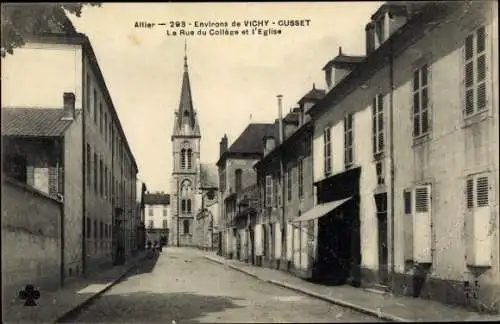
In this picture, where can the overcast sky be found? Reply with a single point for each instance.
(234, 79)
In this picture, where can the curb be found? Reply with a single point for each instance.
(373, 312)
(72, 312)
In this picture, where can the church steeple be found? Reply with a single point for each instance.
(186, 121)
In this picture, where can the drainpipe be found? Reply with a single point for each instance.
(62, 216)
(282, 180)
(84, 170)
(391, 151)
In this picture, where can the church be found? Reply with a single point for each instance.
(193, 184)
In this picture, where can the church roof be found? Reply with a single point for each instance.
(186, 113)
(156, 198)
(208, 175)
(252, 138)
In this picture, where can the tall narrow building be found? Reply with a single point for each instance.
(186, 167)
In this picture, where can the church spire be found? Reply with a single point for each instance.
(186, 116)
(185, 56)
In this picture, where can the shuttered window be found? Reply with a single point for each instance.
(477, 191)
(348, 140)
(89, 165)
(327, 151)
(269, 191)
(378, 142)
(301, 178)
(469, 192)
(482, 192)
(422, 199)
(420, 111)
(289, 182)
(165, 223)
(95, 106)
(475, 72)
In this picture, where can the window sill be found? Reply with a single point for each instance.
(475, 118)
(421, 139)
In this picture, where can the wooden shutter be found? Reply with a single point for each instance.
(482, 193)
(469, 193)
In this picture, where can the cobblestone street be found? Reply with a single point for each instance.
(182, 286)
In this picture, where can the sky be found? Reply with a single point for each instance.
(234, 79)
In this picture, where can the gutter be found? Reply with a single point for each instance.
(391, 152)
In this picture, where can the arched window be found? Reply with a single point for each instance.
(189, 156)
(186, 226)
(183, 159)
(188, 204)
(237, 180)
(186, 188)
(183, 205)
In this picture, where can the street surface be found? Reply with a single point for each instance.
(182, 286)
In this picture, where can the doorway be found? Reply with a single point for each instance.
(334, 247)
(383, 257)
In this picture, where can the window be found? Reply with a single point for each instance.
(185, 224)
(183, 159)
(237, 180)
(151, 211)
(89, 227)
(106, 233)
(348, 140)
(475, 72)
(422, 199)
(186, 188)
(165, 212)
(275, 189)
(101, 178)
(379, 170)
(407, 202)
(189, 157)
(101, 230)
(477, 191)
(301, 178)
(420, 111)
(151, 223)
(188, 205)
(106, 126)
(289, 182)
(95, 106)
(378, 124)
(95, 228)
(96, 165)
(327, 151)
(106, 181)
(269, 191)
(165, 224)
(101, 117)
(183, 205)
(89, 165)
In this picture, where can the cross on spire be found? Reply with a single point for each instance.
(185, 55)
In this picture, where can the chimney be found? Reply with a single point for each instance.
(370, 38)
(223, 145)
(280, 118)
(69, 105)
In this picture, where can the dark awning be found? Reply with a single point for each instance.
(320, 210)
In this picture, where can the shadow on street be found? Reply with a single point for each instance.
(146, 307)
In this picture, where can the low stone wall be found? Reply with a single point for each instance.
(31, 238)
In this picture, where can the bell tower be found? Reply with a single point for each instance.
(185, 183)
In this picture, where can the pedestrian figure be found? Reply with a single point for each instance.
(149, 245)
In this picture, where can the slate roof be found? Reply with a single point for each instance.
(344, 59)
(209, 175)
(37, 122)
(251, 139)
(313, 95)
(156, 199)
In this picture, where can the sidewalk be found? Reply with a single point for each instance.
(386, 307)
(56, 305)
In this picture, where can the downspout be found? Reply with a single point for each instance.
(63, 218)
(84, 169)
(282, 180)
(178, 214)
(391, 151)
